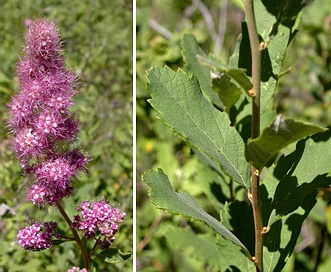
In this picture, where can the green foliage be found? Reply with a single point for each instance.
(191, 50)
(277, 136)
(101, 56)
(163, 196)
(217, 130)
(113, 255)
(238, 75)
(182, 107)
(200, 247)
(289, 195)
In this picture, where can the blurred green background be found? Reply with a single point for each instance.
(303, 93)
(97, 42)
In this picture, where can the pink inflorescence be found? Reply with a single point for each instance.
(77, 269)
(37, 236)
(40, 119)
(98, 218)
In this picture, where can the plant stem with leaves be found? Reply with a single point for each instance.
(255, 129)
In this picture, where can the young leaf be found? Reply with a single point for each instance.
(227, 91)
(278, 135)
(190, 51)
(164, 197)
(178, 99)
(237, 74)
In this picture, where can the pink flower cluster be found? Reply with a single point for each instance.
(40, 117)
(44, 131)
(98, 218)
(37, 236)
(77, 269)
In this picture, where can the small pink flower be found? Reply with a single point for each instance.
(40, 194)
(96, 217)
(28, 22)
(77, 269)
(37, 236)
(21, 113)
(28, 144)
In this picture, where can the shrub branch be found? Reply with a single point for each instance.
(255, 129)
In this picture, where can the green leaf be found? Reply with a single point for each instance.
(281, 239)
(227, 91)
(166, 158)
(113, 255)
(231, 257)
(277, 41)
(212, 182)
(200, 247)
(237, 216)
(289, 193)
(190, 51)
(272, 56)
(59, 242)
(178, 99)
(164, 197)
(285, 11)
(278, 135)
(237, 74)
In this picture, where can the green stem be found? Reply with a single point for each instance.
(255, 130)
(76, 236)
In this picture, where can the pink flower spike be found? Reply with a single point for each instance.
(40, 119)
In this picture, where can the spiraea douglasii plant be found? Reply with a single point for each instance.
(260, 195)
(44, 138)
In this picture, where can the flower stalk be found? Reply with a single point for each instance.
(76, 236)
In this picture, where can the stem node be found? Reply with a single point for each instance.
(251, 92)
